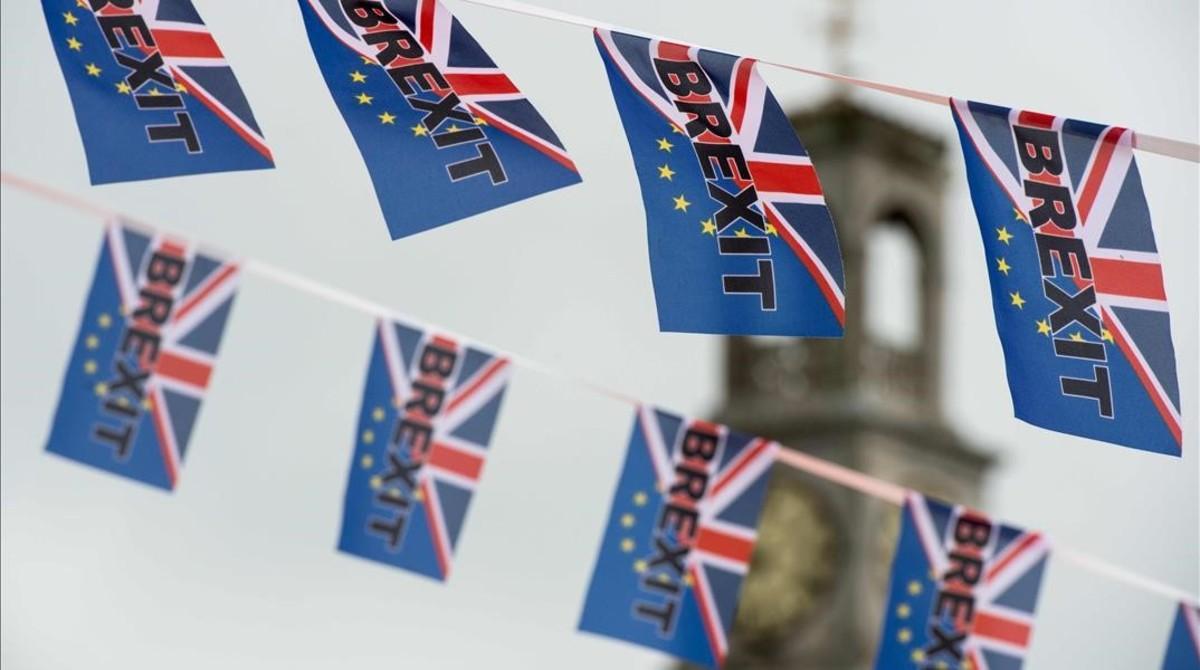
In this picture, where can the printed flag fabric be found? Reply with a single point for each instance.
(444, 132)
(144, 355)
(429, 406)
(679, 537)
(1183, 647)
(740, 239)
(152, 92)
(1077, 284)
(963, 591)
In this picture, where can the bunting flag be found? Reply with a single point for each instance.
(144, 355)
(152, 92)
(444, 132)
(1077, 284)
(963, 590)
(740, 239)
(429, 406)
(1183, 647)
(679, 536)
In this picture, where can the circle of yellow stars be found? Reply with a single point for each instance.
(94, 70)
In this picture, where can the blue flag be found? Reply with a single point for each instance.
(679, 537)
(964, 590)
(740, 239)
(428, 410)
(1077, 286)
(153, 95)
(1183, 647)
(444, 132)
(144, 355)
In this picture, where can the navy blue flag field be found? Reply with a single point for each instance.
(444, 132)
(152, 92)
(429, 406)
(679, 537)
(144, 355)
(740, 239)
(963, 592)
(1077, 285)
(1183, 647)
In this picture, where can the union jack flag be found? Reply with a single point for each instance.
(429, 407)
(1183, 647)
(1076, 275)
(152, 92)
(133, 388)
(680, 536)
(963, 590)
(774, 270)
(365, 48)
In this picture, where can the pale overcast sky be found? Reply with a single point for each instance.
(237, 568)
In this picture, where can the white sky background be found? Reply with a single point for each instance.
(238, 569)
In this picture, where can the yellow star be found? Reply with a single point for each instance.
(905, 635)
(74, 44)
(104, 320)
(676, 129)
(180, 88)
(82, 3)
(1017, 299)
(627, 545)
(147, 404)
(366, 461)
(1043, 327)
(123, 401)
(387, 118)
(154, 92)
(377, 414)
(124, 88)
(480, 121)
(681, 203)
(1077, 336)
(357, 77)
(367, 60)
(707, 227)
(1003, 235)
(627, 520)
(664, 145)
(918, 655)
(70, 18)
(664, 577)
(1003, 266)
(101, 389)
(418, 495)
(92, 69)
(1106, 335)
(452, 129)
(741, 232)
(368, 436)
(419, 130)
(639, 566)
(687, 580)
(89, 367)
(363, 99)
(903, 610)
(377, 482)
(665, 172)
(914, 588)
(770, 230)
(91, 341)
(639, 499)
(1018, 215)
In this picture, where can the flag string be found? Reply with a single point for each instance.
(817, 467)
(1163, 146)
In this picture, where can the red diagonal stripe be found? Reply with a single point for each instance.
(1011, 553)
(998, 628)
(741, 78)
(744, 459)
(207, 288)
(480, 84)
(493, 368)
(186, 44)
(1128, 278)
(173, 366)
(724, 545)
(1095, 177)
(457, 461)
(784, 178)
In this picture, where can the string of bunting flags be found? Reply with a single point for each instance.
(683, 517)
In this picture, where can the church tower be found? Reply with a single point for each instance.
(870, 401)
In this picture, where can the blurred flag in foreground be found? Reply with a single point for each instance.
(152, 92)
(146, 349)
(679, 536)
(444, 132)
(428, 410)
(1077, 285)
(1183, 647)
(963, 590)
(740, 239)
